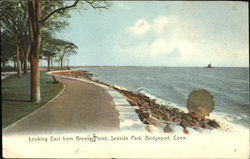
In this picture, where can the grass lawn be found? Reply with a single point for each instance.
(16, 96)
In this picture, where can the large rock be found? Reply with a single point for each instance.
(213, 124)
(153, 121)
(185, 124)
(167, 129)
(167, 117)
(143, 116)
(177, 120)
(186, 117)
(185, 131)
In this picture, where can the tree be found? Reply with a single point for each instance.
(49, 43)
(25, 49)
(53, 47)
(7, 48)
(67, 49)
(37, 20)
(14, 19)
(50, 49)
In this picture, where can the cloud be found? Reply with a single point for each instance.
(140, 27)
(175, 41)
(167, 37)
(160, 24)
(161, 46)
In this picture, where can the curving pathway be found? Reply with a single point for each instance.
(82, 106)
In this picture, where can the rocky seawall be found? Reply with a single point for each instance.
(167, 119)
(75, 74)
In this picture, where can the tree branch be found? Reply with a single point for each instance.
(92, 3)
(59, 9)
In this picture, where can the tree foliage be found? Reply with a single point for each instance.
(7, 48)
(66, 49)
(14, 18)
(32, 20)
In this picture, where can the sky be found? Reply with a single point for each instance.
(161, 33)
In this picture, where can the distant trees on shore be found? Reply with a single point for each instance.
(27, 34)
(57, 49)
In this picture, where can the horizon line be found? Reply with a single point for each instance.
(149, 66)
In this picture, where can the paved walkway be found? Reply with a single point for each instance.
(81, 107)
(7, 74)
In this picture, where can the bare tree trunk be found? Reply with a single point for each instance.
(3, 63)
(29, 64)
(26, 68)
(48, 60)
(19, 69)
(61, 60)
(15, 66)
(68, 64)
(35, 79)
(21, 64)
(35, 29)
(51, 61)
(26, 60)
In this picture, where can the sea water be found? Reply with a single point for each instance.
(172, 85)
